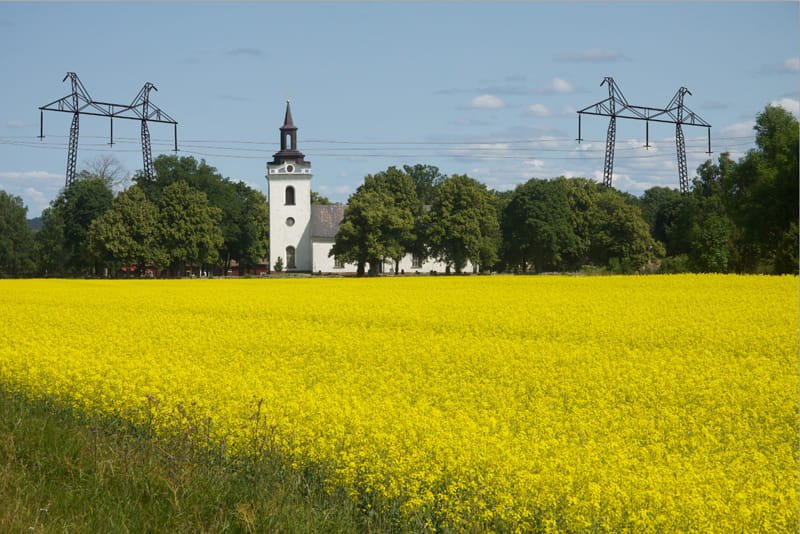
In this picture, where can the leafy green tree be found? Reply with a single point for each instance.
(66, 225)
(248, 237)
(762, 191)
(537, 227)
(370, 230)
(463, 224)
(620, 236)
(426, 178)
(189, 228)
(660, 208)
(710, 240)
(382, 220)
(51, 255)
(244, 223)
(407, 228)
(127, 234)
(16, 239)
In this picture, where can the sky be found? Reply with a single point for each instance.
(488, 89)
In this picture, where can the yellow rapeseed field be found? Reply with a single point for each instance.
(657, 403)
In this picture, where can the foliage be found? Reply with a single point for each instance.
(189, 227)
(370, 230)
(609, 403)
(244, 218)
(762, 191)
(63, 239)
(620, 237)
(127, 234)
(317, 198)
(382, 220)
(426, 179)
(564, 224)
(16, 239)
(462, 224)
(537, 227)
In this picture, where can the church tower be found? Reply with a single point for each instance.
(289, 182)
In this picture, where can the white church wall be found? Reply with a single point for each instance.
(325, 264)
(282, 233)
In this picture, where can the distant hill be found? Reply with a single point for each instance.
(35, 223)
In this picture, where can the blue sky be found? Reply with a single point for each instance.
(485, 89)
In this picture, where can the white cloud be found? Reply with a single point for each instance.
(480, 151)
(593, 55)
(540, 110)
(535, 164)
(739, 129)
(487, 102)
(29, 175)
(790, 66)
(19, 124)
(35, 200)
(558, 86)
(789, 104)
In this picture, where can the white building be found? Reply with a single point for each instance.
(302, 235)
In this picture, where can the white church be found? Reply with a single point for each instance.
(302, 234)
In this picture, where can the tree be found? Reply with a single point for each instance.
(51, 256)
(463, 224)
(762, 191)
(407, 230)
(62, 241)
(250, 242)
(382, 220)
(621, 238)
(107, 168)
(127, 234)
(244, 223)
(16, 239)
(369, 230)
(536, 225)
(426, 178)
(188, 227)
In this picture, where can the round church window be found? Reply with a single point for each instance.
(290, 221)
(290, 168)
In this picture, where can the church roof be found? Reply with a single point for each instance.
(325, 220)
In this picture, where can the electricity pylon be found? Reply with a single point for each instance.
(617, 106)
(79, 102)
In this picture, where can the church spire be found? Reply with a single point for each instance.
(288, 150)
(287, 119)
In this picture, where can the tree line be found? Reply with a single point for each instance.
(740, 216)
(187, 217)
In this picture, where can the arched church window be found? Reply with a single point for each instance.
(289, 195)
(290, 258)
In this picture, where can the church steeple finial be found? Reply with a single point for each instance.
(288, 150)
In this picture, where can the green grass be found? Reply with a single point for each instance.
(63, 472)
